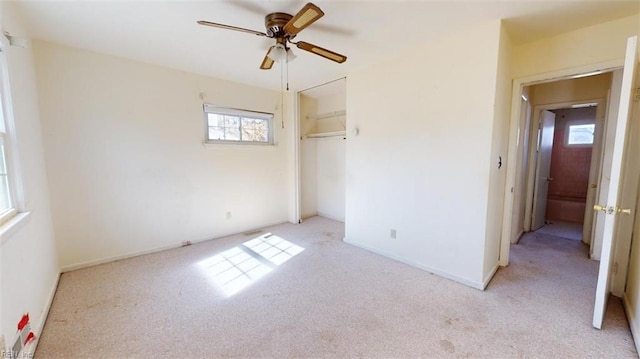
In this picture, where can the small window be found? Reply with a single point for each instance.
(6, 203)
(227, 125)
(580, 134)
(8, 176)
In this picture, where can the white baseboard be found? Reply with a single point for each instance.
(91, 263)
(517, 237)
(465, 281)
(489, 276)
(39, 327)
(634, 324)
(330, 217)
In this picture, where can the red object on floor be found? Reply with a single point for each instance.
(23, 322)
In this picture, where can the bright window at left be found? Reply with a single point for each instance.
(5, 196)
(8, 207)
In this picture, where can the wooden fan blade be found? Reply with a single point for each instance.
(229, 27)
(267, 62)
(305, 17)
(328, 54)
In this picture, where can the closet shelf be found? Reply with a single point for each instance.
(326, 134)
(328, 115)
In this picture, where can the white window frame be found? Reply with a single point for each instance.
(8, 138)
(213, 109)
(567, 132)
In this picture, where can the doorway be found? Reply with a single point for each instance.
(563, 152)
(563, 180)
(618, 179)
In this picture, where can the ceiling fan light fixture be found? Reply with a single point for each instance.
(290, 55)
(278, 53)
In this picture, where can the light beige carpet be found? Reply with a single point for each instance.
(331, 300)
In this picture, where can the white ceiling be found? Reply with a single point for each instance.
(166, 33)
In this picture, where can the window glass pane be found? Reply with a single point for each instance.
(254, 129)
(232, 133)
(5, 202)
(5, 199)
(216, 133)
(3, 166)
(231, 121)
(581, 134)
(215, 119)
(248, 134)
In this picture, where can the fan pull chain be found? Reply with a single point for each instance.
(282, 92)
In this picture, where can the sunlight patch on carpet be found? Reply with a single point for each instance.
(237, 268)
(273, 248)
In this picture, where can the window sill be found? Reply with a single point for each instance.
(10, 227)
(238, 145)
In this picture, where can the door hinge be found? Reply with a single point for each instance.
(636, 95)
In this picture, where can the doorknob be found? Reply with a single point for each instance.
(605, 209)
(611, 209)
(624, 211)
(549, 179)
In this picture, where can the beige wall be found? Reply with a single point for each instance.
(421, 162)
(631, 294)
(596, 44)
(28, 257)
(584, 88)
(127, 167)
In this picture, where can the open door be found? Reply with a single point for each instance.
(608, 212)
(594, 172)
(545, 146)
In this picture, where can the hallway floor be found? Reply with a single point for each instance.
(561, 229)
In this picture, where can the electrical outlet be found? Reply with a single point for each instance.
(228, 215)
(393, 234)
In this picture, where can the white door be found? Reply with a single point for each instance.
(594, 172)
(608, 212)
(543, 166)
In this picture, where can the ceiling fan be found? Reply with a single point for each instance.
(283, 28)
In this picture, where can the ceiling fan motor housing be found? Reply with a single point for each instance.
(275, 23)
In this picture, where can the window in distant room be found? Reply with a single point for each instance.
(227, 125)
(580, 134)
